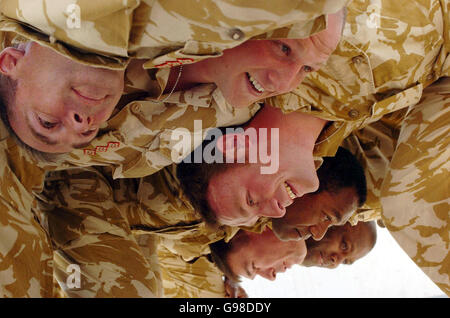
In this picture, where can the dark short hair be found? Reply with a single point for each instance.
(194, 179)
(218, 255)
(342, 171)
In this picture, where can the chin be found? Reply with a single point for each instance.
(238, 102)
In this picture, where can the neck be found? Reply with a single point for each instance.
(192, 75)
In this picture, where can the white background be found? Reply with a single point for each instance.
(385, 272)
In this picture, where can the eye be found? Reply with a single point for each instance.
(326, 217)
(284, 48)
(307, 69)
(47, 124)
(344, 246)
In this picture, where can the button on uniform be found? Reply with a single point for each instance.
(236, 34)
(358, 59)
(353, 113)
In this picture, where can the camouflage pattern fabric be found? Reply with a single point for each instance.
(23, 175)
(355, 88)
(93, 222)
(389, 52)
(407, 168)
(199, 278)
(415, 195)
(107, 33)
(25, 252)
(389, 59)
(374, 147)
(90, 234)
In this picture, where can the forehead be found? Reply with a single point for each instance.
(345, 202)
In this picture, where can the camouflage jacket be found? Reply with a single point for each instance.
(156, 204)
(22, 239)
(390, 52)
(360, 84)
(199, 278)
(107, 33)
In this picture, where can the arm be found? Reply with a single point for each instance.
(197, 279)
(95, 253)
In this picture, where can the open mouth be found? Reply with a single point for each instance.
(255, 84)
(289, 191)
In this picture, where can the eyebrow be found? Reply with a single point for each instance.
(337, 215)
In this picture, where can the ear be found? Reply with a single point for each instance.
(234, 146)
(9, 59)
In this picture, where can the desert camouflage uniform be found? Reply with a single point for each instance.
(85, 196)
(199, 278)
(106, 34)
(390, 60)
(23, 242)
(93, 221)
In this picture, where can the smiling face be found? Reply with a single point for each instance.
(341, 245)
(252, 254)
(59, 103)
(259, 69)
(240, 194)
(313, 214)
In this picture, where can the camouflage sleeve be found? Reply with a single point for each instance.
(374, 147)
(95, 253)
(416, 189)
(25, 250)
(164, 31)
(197, 279)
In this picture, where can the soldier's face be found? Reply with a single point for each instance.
(258, 69)
(59, 103)
(341, 245)
(313, 214)
(241, 194)
(263, 254)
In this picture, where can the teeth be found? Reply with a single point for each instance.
(255, 83)
(289, 191)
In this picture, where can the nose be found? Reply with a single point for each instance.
(310, 183)
(271, 208)
(269, 274)
(79, 121)
(318, 231)
(335, 260)
(286, 77)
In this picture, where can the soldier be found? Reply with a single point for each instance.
(78, 203)
(342, 190)
(341, 245)
(248, 254)
(114, 209)
(392, 63)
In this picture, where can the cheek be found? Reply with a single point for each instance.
(308, 217)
